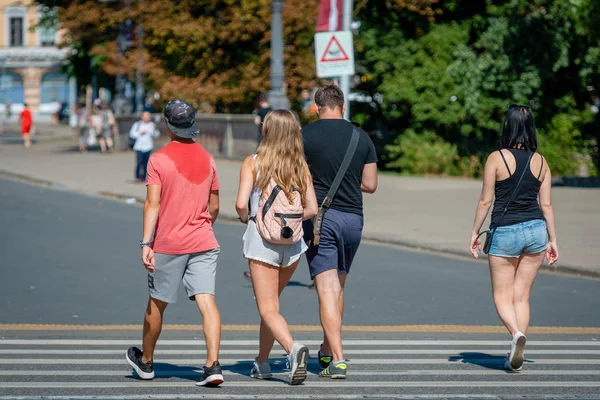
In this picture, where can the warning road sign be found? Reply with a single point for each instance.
(334, 52)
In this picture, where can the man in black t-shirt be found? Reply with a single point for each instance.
(325, 144)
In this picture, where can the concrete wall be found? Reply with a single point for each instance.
(224, 135)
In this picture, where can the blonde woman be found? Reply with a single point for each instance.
(280, 156)
(522, 226)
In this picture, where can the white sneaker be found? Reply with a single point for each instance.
(517, 345)
(508, 367)
(297, 361)
(261, 371)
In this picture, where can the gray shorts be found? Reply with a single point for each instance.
(277, 255)
(197, 271)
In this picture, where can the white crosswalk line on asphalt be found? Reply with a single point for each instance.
(195, 372)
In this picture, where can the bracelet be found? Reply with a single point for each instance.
(242, 221)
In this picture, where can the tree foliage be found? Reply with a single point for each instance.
(456, 75)
(204, 51)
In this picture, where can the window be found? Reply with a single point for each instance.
(16, 31)
(47, 36)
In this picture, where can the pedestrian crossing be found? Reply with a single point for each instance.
(92, 368)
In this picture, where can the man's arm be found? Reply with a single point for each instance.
(368, 183)
(213, 205)
(151, 209)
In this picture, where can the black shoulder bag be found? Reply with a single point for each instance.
(490, 232)
(318, 223)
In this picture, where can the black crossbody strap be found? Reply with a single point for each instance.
(343, 168)
(517, 187)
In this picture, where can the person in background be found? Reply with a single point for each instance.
(83, 126)
(108, 128)
(26, 121)
(74, 121)
(143, 132)
(524, 232)
(260, 113)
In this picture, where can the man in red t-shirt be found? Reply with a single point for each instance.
(182, 204)
(26, 124)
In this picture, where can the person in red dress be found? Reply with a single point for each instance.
(26, 124)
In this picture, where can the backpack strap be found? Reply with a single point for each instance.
(343, 168)
(270, 200)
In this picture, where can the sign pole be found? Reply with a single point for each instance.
(345, 79)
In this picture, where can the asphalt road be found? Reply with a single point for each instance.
(67, 258)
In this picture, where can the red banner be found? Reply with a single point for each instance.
(330, 15)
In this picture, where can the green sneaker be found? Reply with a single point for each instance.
(335, 371)
(324, 359)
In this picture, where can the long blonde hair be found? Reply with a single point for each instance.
(280, 155)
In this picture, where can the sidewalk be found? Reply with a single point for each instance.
(428, 213)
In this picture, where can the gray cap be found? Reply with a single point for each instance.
(181, 119)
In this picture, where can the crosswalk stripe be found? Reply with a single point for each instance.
(275, 351)
(358, 361)
(196, 372)
(261, 396)
(360, 342)
(316, 384)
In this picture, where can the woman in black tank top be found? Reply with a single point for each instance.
(522, 226)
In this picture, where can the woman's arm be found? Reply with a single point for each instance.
(485, 202)
(245, 188)
(311, 207)
(546, 204)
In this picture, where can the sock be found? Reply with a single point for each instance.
(335, 363)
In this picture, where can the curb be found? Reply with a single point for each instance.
(374, 239)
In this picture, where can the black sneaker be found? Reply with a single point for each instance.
(213, 376)
(134, 358)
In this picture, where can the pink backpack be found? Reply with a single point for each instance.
(277, 220)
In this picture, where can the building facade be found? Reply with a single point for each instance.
(30, 61)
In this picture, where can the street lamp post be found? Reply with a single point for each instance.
(277, 97)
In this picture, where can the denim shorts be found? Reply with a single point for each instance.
(278, 255)
(529, 237)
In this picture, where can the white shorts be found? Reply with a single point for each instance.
(277, 255)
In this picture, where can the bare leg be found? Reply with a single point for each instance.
(266, 337)
(502, 272)
(27, 140)
(211, 323)
(102, 142)
(109, 143)
(268, 282)
(326, 349)
(526, 274)
(152, 327)
(329, 289)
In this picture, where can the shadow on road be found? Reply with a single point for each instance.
(243, 368)
(482, 359)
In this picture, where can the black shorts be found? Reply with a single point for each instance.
(340, 238)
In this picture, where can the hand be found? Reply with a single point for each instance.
(148, 258)
(475, 245)
(552, 252)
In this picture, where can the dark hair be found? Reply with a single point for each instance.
(25, 105)
(330, 96)
(519, 129)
